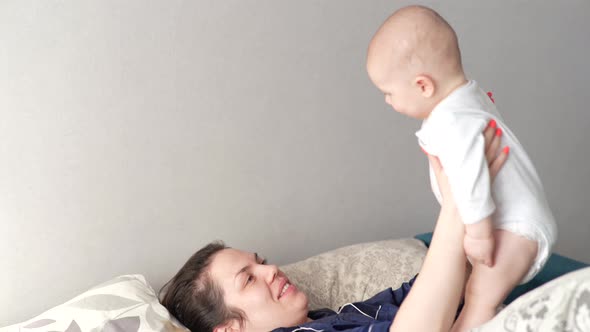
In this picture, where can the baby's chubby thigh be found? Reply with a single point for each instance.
(488, 286)
(514, 256)
(526, 235)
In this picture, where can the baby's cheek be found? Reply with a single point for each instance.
(398, 107)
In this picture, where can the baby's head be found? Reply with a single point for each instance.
(414, 59)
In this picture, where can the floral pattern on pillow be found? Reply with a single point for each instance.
(123, 304)
(562, 304)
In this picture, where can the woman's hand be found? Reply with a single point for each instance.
(494, 156)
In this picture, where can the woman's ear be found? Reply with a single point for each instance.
(425, 84)
(231, 326)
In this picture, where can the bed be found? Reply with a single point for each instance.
(558, 299)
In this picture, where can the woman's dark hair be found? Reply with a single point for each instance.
(194, 298)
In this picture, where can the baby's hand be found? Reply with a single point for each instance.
(479, 250)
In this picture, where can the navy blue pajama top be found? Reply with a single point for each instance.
(373, 315)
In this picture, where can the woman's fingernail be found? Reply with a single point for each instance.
(498, 132)
(492, 123)
(506, 149)
(491, 97)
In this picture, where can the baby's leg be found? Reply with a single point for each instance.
(488, 287)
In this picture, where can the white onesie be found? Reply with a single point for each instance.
(453, 133)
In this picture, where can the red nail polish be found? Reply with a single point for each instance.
(426, 153)
(498, 132)
(506, 149)
(491, 98)
(492, 123)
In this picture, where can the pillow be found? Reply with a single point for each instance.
(563, 304)
(356, 272)
(123, 304)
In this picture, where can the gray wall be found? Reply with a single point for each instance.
(132, 133)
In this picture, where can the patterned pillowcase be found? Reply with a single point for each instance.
(562, 304)
(123, 304)
(356, 272)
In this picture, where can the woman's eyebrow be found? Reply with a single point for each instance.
(242, 270)
(261, 259)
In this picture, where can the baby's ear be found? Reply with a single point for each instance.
(425, 84)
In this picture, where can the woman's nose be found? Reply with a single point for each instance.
(271, 272)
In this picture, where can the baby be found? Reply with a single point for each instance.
(414, 59)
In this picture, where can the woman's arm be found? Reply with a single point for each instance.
(432, 303)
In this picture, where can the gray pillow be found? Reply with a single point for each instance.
(356, 272)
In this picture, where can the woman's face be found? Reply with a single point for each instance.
(261, 291)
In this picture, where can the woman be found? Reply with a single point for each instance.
(227, 290)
